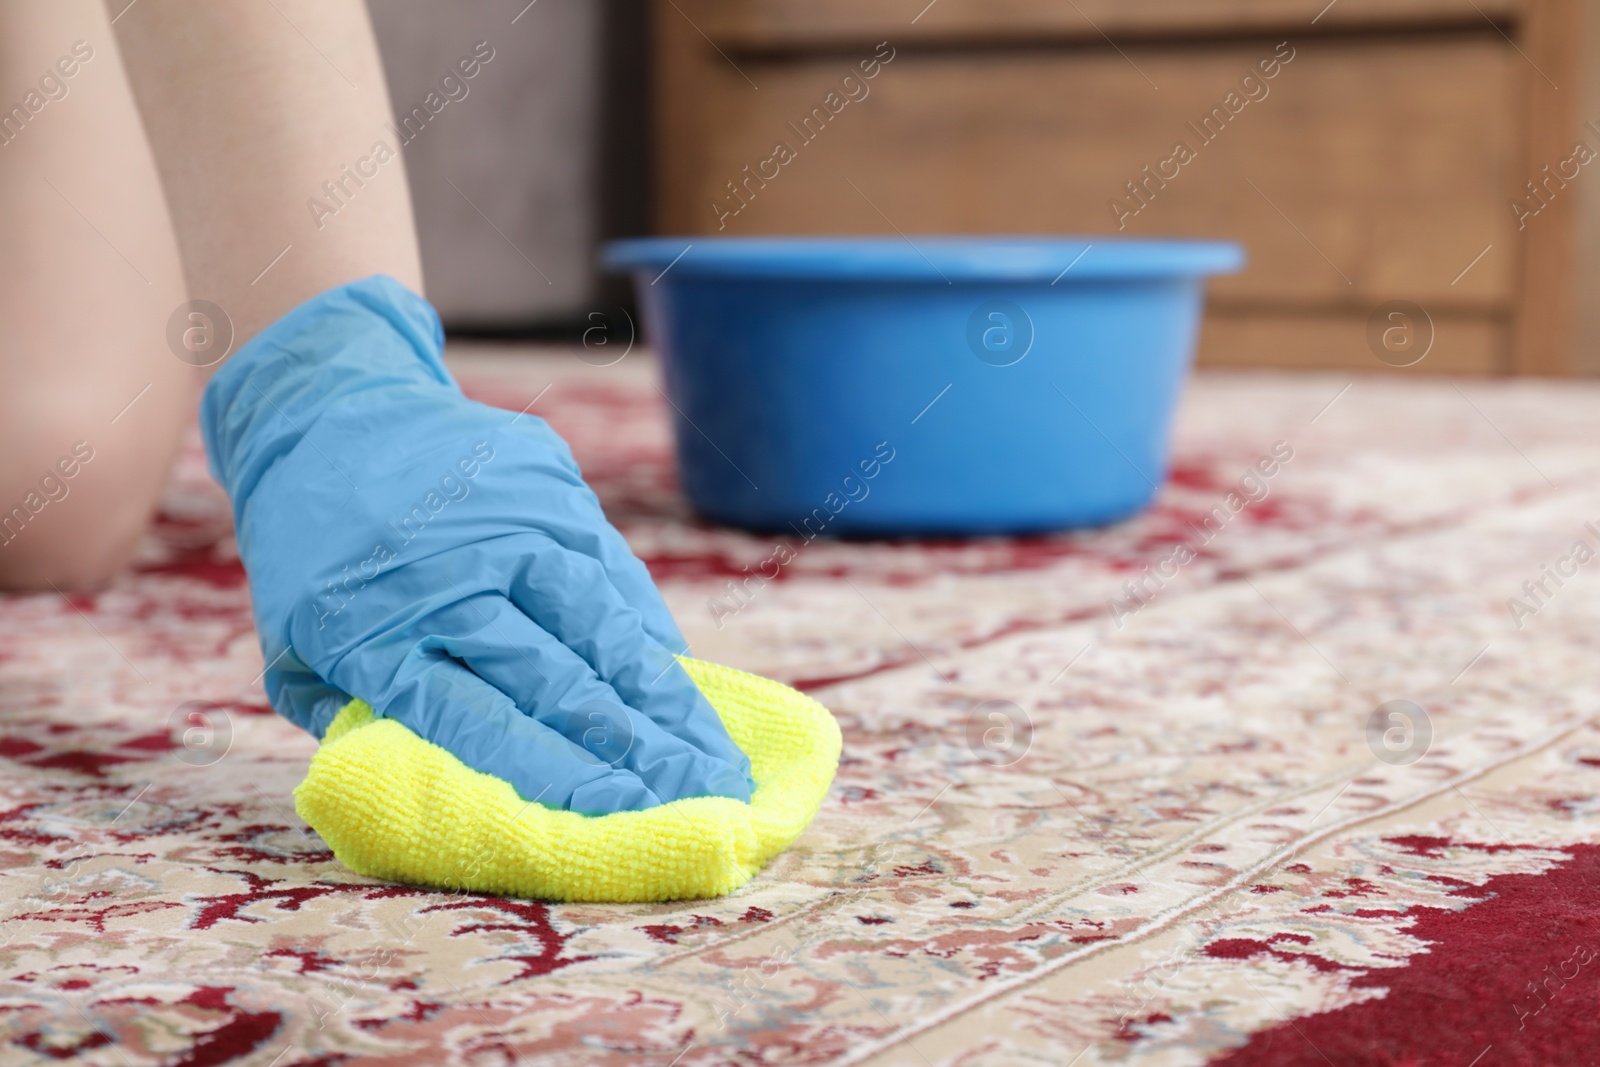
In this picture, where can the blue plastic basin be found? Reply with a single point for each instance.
(933, 386)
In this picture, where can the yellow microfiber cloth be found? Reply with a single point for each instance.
(394, 806)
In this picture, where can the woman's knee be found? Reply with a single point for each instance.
(62, 527)
(79, 480)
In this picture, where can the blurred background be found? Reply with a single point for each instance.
(1366, 152)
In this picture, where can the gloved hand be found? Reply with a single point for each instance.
(445, 562)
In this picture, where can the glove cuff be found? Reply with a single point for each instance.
(337, 344)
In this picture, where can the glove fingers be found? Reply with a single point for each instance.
(554, 685)
(631, 579)
(582, 528)
(444, 702)
(570, 595)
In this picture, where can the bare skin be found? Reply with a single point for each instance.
(89, 270)
(178, 165)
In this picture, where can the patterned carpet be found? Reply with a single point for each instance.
(1088, 812)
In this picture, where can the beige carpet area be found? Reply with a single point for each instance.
(1095, 807)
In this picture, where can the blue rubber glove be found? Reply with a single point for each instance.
(445, 562)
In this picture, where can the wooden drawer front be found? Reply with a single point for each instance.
(777, 24)
(1462, 344)
(1372, 169)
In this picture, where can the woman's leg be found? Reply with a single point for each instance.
(92, 401)
(268, 126)
(269, 123)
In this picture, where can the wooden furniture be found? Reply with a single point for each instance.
(1383, 160)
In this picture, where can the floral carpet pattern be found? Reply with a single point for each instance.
(1299, 767)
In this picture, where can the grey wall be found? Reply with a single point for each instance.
(523, 145)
